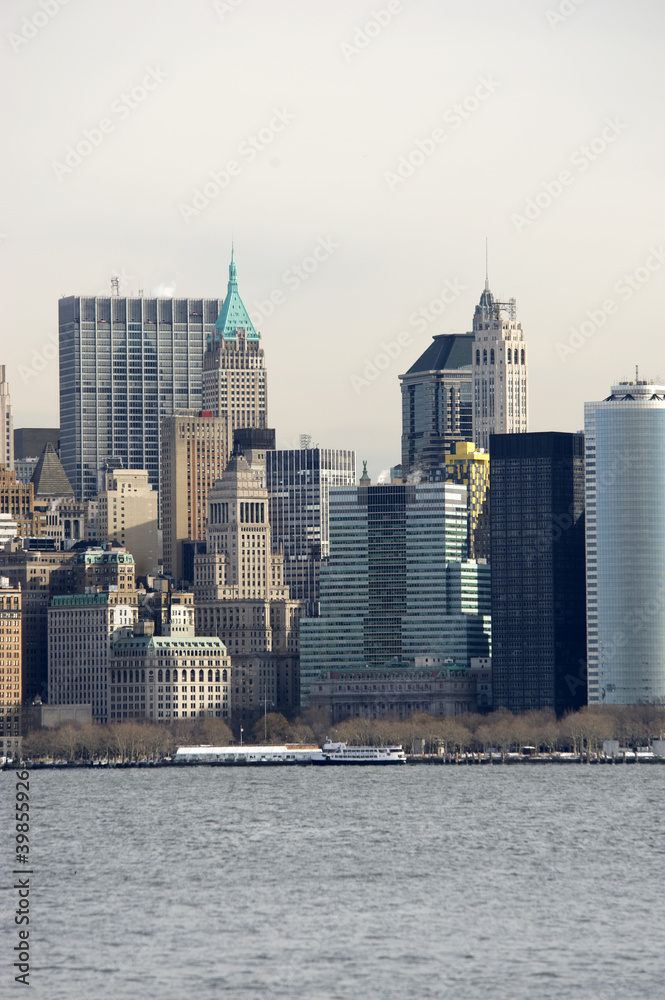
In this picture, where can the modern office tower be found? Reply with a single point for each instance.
(39, 575)
(470, 466)
(29, 442)
(168, 677)
(500, 373)
(80, 631)
(436, 403)
(11, 669)
(127, 515)
(125, 364)
(298, 482)
(195, 450)
(234, 373)
(6, 423)
(384, 592)
(625, 545)
(241, 597)
(254, 443)
(538, 588)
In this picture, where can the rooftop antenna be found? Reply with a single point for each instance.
(115, 286)
(637, 374)
(487, 280)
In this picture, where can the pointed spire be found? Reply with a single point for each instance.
(487, 279)
(233, 272)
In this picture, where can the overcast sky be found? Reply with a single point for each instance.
(363, 153)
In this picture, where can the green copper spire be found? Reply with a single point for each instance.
(234, 316)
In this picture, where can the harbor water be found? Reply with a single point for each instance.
(343, 883)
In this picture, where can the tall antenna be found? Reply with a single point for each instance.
(115, 286)
(487, 280)
(637, 374)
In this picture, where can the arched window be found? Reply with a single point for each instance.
(477, 357)
(216, 675)
(113, 677)
(484, 355)
(492, 356)
(160, 675)
(168, 675)
(224, 675)
(200, 675)
(209, 675)
(131, 676)
(175, 675)
(192, 675)
(143, 677)
(124, 676)
(522, 356)
(510, 355)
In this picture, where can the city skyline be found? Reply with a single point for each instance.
(359, 220)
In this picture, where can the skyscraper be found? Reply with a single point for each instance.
(12, 682)
(298, 481)
(500, 381)
(235, 381)
(195, 449)
(625, 545)
(436, 403)
(6, 423)
(240, 595)
(384, 592)
(125, 363)
(537, 558)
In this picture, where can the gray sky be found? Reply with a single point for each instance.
(392, 136)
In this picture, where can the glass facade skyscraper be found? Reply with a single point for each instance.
(384, 592)
(537, 558)
(625, 545)
(125, 363)
(298, 481)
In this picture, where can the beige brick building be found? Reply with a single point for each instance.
(11, 668)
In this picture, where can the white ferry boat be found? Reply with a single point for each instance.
(340, 753)
(257, 755)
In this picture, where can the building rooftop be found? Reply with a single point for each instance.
(49, 478)
(234, 316)
(448, 352)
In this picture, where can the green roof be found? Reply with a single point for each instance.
(449, 352)
(234, 316)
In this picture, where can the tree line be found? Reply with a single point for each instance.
(583, 731)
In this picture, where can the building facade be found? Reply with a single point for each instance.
(80, 631)
(125, 364)
(437, 688)
(538, 586)
(195, 450)
(241, 597)
(625, 545)
(500, 370)
(298, 482)
(168, 677)
(470, 467)
(127, 515)
(436, 404)
(384, 592)
(6, 423)
(11, 669)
